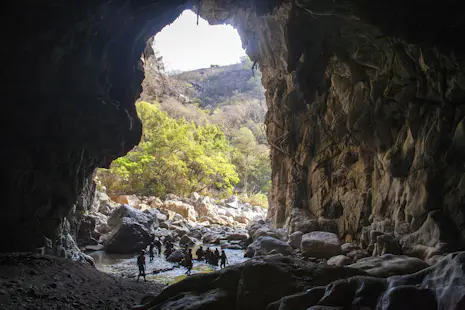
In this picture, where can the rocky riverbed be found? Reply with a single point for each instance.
(127, 224)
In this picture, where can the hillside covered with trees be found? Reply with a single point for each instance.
(202, 131)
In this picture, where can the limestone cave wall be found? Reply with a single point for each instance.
(72, 72)
(366, 115)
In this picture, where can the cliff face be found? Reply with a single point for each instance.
(366, 108)
(366, 128)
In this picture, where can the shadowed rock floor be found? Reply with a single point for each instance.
(31, 281)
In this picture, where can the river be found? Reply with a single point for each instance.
(125, 265)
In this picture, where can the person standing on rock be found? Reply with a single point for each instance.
(224, 259)
(141, 265)
(151, 246)
(157, 243)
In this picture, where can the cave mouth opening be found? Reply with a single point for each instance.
(202, 110)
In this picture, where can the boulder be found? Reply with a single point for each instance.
(186, 211)
(206, 209)
(171, 197)
(225, 220)
(386, 244)
(176, 257)
(125, 211)
(262, 229)
(120, 199)
(143, 207)
(156, 202)
(156, 213)
(295, 239)
(163, 233)
(179, 230)
(127, 238)
(233, 202)
(101, 200)
(339, 260)
(389, 265)
(237, 236)
(187, 240)
(212, 238)
(195, 234)
(241, 219)
(265, 245)
(320, 244)
(349, 247)
(106, 209)
(195, 196)
(356, 255)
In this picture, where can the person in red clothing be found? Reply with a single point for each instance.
(141, 265)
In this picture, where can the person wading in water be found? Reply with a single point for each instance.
(223, 259)
(188, 262)
(151, 246)
(200, 253)
(158, 245)
(141, 265)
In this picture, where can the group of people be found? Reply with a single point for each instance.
(211, 257)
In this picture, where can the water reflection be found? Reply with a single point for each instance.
(125, 265)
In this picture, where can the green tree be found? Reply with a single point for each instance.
(174, 156)
(251, 160)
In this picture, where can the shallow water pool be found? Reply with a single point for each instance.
(126, 266)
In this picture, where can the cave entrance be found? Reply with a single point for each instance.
(202, 110)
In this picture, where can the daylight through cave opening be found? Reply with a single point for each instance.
(202, 109)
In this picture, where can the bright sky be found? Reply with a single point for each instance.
(186, 46)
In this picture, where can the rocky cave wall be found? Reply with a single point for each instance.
(73, 74)
(366, 117)
(364, 126)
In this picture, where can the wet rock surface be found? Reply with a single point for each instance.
(277, 282)
(390, 265)
(251, 285)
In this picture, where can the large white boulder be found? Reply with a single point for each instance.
(320, 244)
(185, 210)
(125, 211)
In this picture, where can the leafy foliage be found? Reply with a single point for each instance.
(252, 161)
(257, 199)
(174, 156)
(206, 130)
